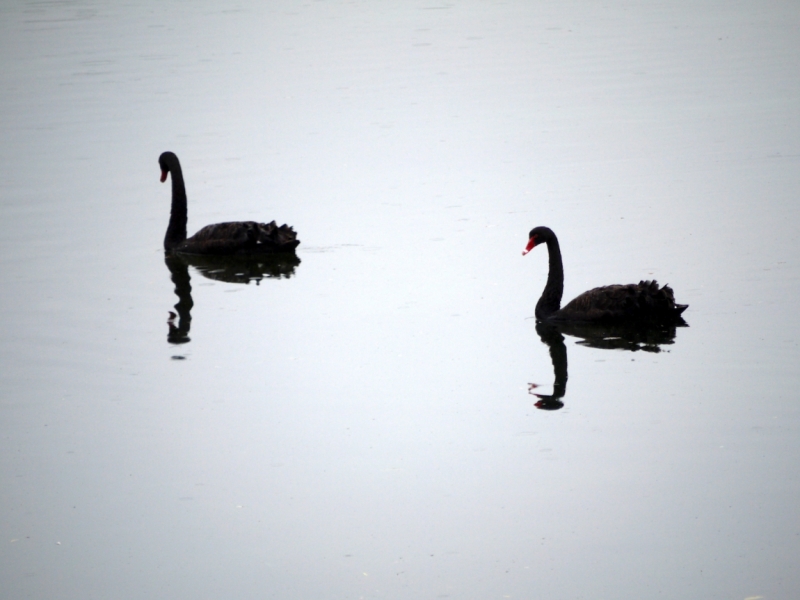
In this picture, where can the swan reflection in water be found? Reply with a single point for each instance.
(221, 268)
(633, 337)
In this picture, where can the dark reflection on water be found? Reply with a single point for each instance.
(632, 337)
(220, 268)
(234, 269)
(558, 354)
(179, 272)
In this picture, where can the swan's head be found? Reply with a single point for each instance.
(168, 162)
(537, 236)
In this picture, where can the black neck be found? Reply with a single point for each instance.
(176, 230)
(550, 301)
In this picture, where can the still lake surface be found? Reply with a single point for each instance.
(362, 424)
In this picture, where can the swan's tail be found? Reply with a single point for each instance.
(277, 239)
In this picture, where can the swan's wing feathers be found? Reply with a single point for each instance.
(242, 237)
(230, 231)
(644, 300)
(601, 303)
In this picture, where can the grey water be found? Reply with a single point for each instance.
(363, 423)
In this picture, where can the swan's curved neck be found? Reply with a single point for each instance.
(550, 301)
(176, 230)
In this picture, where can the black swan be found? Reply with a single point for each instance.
(642, 302)
(242, 238)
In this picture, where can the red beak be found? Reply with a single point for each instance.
(163, 176)
(529, 247)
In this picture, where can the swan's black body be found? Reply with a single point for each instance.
(242, 238)
(642, 302)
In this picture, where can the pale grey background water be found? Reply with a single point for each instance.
(363, 429)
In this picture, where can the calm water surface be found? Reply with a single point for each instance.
(362, 424)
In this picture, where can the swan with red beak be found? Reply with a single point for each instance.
(635, 302)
